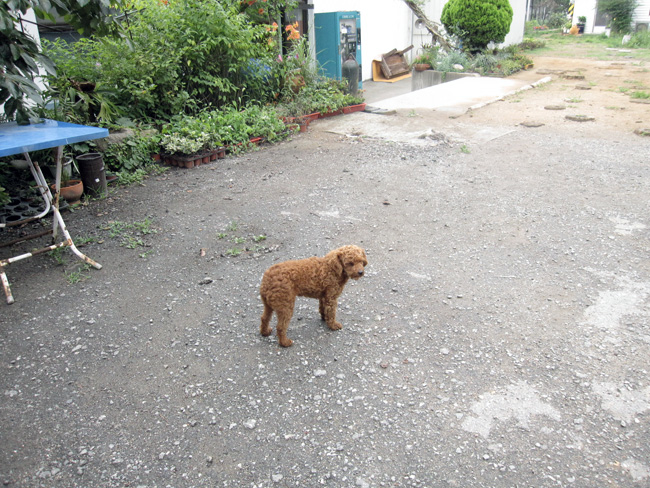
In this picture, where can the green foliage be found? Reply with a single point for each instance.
(557, 20)
(137, 176)
(454, 62)
(640, 40)
(74, 94)
(490, 62)
(477, 22)
(531, 26)
(324, 96)
(176, 57)
(228, 126)
(21, 56)
(530, 44)
(621, 13)
(131, 235)
(4, 197)
(428, 55)
(130, 154)
(640, 95)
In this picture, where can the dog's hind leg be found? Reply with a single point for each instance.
(284, 317)
(321, 308)
(265, 326)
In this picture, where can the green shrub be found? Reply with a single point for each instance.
(556, 20)
(621, 13)
(529, 44)
(530, 26)
(477, 22)
(227, 126)
(131, 154)
(179, 56)
(640, 40)
(452, 60)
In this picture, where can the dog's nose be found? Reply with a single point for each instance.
(361, 273)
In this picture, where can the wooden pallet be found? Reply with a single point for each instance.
(393, 63)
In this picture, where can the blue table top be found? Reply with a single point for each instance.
(18, 139)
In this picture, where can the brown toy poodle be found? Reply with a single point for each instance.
(322, 278)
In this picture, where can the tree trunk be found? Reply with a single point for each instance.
(431, 26)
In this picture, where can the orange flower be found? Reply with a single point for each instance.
(292, 31)
(261, 11)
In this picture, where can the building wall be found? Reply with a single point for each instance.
(642, 12)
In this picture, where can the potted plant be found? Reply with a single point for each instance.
(184, 150)
(71, 188)
(582, 20)
(421, 62)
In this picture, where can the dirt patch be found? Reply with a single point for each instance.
(592, 90)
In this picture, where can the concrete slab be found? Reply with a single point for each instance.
(424, 117)
(455, 97)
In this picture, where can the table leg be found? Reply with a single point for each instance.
(57, 187)
(51, 202)
(5, 285)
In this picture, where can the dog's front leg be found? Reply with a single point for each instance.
(327, 308)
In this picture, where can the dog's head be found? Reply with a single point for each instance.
(353, 260)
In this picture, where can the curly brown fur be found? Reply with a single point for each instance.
(323, 278)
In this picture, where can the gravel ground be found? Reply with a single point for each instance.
(500, 337)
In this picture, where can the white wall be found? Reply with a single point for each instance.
(516, 34)
(642, 12)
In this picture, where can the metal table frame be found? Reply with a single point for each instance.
(19, 139)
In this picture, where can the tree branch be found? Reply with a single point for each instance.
(432, 27)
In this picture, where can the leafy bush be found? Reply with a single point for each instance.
(452, 61)
(640, 39)
(21, 56)
(485, 63)
(177, 57)
(215, 128)
(477, 22)
(621, 13)
(557, 20)
(326, 96)
(131, 154)
(529, 44)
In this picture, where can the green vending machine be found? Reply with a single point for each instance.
(338, 35)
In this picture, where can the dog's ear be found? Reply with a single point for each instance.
(335, 261)
(340, 266)
(365, 258)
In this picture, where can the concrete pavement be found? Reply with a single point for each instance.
(396, 113)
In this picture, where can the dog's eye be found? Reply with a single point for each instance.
(350, 264)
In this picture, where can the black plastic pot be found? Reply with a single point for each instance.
(93, 174)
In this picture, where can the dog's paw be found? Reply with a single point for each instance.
(286, 342)
(335, 326)
(266, 332)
